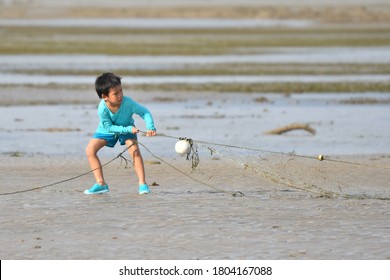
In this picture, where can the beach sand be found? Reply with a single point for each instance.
(180, 219)
(183, 218)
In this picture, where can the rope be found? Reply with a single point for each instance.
(238, 193)
(319, 157)
(120, 155)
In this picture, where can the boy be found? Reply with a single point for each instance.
(116, 123)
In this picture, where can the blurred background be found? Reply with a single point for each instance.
(277, 59)
(239, 46)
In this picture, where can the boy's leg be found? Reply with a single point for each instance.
(93, 147)
(138, 161)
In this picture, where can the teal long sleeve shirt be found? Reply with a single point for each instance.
(122, 121)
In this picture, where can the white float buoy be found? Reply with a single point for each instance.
(182, 147)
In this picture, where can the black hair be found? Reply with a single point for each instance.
(105, 82)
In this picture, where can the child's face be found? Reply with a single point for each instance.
(114, 96)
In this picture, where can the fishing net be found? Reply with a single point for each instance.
(246, 171)
(242, 171)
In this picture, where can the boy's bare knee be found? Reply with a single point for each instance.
(90, 151)
(93, 147)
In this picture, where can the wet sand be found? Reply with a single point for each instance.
(185, 218)
(181, 219)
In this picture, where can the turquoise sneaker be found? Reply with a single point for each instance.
(144, 189)
(97, 189)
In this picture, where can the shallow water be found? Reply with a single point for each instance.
(234, 119)
(157, 23)
(20, 79)
(11, 63)
(274, 55)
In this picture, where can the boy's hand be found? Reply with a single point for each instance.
(150, 133)
(133, 129)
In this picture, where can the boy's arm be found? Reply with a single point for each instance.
(106, 121)
(145, 114)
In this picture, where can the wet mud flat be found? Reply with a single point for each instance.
(180, 219)
(184, 218)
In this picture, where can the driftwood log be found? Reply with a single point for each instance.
(293, 126)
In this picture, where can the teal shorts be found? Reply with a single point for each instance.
(112, 139)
